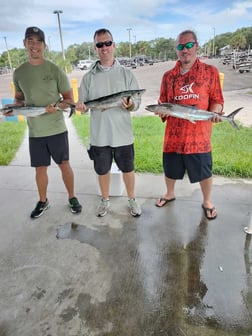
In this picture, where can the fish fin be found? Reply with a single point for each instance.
(72, 108)
(188, 118)
(8, 111)
(72, 111)
(194, 107)
(192, 121)
(231, 116)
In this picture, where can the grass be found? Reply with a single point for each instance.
(11, 136)
(232, 149)
(148, 136)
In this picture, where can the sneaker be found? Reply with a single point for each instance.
(102, 209)
(39, 209)
(74, 205)
(134, 208)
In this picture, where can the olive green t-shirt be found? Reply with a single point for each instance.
(41, 86)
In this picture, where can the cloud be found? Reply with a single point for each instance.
(149, 19)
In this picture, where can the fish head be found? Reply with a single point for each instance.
(164, 107)
(141, 91)
(137, 93)
(152, 108)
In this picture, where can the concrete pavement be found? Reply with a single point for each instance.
(169, 272)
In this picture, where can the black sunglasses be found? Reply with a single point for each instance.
(102, 44)
(187, 45)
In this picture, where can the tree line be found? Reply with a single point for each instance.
(157, 49)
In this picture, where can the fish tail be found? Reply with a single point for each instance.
(231, 116)
(72, 106)
(72, 110)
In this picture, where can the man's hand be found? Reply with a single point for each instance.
(218, 110)
(127, 104)
(80, 106)
(51, 108)
(216, 118)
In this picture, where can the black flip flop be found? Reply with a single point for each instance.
(165, 200)
(206, 210)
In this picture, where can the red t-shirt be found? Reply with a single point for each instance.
(200, 87)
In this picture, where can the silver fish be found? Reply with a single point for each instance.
(106, 102)
(26, 111)
(32, 110)
(113, 100)
(29, 110)
(190, 113)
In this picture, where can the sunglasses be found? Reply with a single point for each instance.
(102, 44)
(187, 45)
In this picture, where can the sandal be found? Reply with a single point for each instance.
(209, 212)
(163, 201)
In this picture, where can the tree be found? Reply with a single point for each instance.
(160, 48)
(238, 41)
(165, 48)
(17, 56)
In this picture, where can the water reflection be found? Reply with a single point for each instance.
(160, 277)
(170, 272)
(247, 293)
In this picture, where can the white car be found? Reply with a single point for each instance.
(84, 64)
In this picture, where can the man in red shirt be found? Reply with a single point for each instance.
(187, 146)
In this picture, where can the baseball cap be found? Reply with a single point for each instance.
(35, 31)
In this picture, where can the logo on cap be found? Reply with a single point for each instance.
(35, 30)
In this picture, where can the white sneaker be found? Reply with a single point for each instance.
(134, 208)
(102, 208)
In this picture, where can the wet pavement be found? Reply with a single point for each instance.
(169, 272)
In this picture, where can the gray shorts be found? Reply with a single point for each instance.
(198, 166)
(103, 157)
(44, 148)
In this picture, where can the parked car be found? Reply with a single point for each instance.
(84, 64)
(149, 61)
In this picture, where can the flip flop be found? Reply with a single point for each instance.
(211, 210)
(165, 200)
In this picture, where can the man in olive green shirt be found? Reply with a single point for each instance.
(39, 82)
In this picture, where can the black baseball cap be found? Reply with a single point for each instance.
(35, 31)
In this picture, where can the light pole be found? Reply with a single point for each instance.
(9, 58)
(129, 30)
(58, 12)
(213, 41)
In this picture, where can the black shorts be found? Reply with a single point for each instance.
(103, 157)
(198, 166)
(43, 148)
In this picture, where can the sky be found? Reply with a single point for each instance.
(137, 20)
